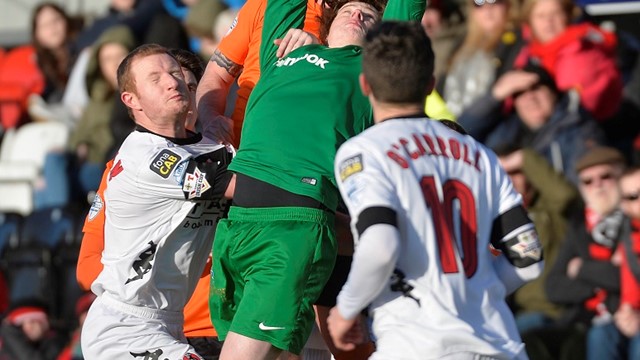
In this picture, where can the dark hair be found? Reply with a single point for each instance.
(544, 78)
(126, 81)
(397, 61)
(50, 64)
(329, 13)
(189, 60)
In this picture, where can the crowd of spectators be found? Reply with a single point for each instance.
(552, 90)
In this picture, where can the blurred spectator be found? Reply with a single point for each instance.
(543, 118)
(73, 351)
(136, 14)
(622, 337)
(92, 140)
(488, 50)
(25, 333)
(548, 198)
(443, 21)
(19, 77)
(578, 56)
(167, 27)
(201, 22)
(52, 32)
(585, 278)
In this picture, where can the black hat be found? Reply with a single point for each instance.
(544, 78)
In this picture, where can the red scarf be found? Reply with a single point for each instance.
(586, 32)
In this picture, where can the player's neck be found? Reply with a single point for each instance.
(385, 111)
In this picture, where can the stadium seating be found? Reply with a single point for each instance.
(22, 157)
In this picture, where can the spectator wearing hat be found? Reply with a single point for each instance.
(25, 333)
(542, 118)
(585, 278)
(623, 334)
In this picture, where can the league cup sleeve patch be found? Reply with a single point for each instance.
(350, 166)
(206, 180)
(96, 207)
(178, 173)
(164, 163)
(524, 249)
(195, 184)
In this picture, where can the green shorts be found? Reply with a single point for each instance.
(270, 265)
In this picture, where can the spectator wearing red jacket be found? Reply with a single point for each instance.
(580, 57)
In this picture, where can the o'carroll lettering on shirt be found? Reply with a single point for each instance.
(404, 150)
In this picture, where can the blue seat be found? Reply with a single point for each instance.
(9, 228)
(47, 227)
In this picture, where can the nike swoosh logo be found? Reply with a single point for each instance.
(262, 326)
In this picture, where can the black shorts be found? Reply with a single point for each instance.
(336, 281)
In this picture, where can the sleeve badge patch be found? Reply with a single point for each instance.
(528, 245)
(195, 184)
(164, 163)
(351, 166)
(96, 207)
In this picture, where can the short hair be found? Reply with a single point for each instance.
(126, 81)
(398, 61)
(189, 61)
(329, 13)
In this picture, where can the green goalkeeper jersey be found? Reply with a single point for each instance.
(305, 106)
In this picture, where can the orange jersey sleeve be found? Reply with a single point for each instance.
(89, 260)
(242, 46)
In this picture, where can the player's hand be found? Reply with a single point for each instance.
(346, 334)
(627, 320)
(294, 39)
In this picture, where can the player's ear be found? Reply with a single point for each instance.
(364, 85)
(130, 100)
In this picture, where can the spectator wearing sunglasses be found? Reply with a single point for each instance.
(542, 117)
(585, 277)
(624, 333)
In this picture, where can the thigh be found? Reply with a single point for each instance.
(110, 334)
(226, 284)
(606, 342)
(285, 264)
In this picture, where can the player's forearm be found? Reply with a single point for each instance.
(372, 266)
(514, 277)
(211, 96)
